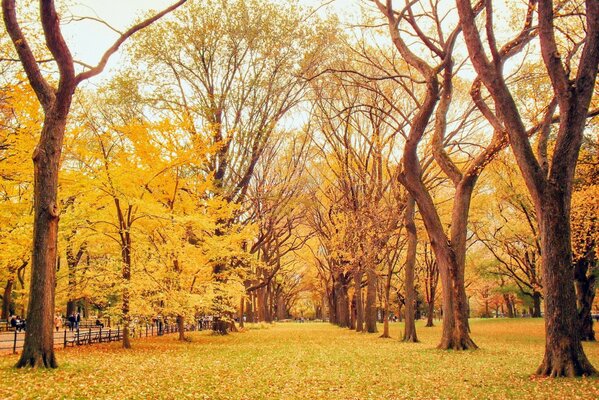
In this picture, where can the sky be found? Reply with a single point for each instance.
(89, 39)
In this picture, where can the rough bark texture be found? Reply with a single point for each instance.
(410, 325)
(38, 350)
(564, 355)
(585, 280)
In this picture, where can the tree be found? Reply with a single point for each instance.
(549, 183)
(56, 101)
(585, 235)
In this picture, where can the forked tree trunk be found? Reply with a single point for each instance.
(371, 301)
(359, 303)
(549, 183)
(410, 325)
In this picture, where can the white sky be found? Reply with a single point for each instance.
(88, 39)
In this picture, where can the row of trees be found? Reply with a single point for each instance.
(259, 157)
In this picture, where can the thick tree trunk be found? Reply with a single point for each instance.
(6, 299)
(281, 307)
(585, 295)
(342, 303)
(332, 299)
(430, 314)
(371, 309)
(181, 327)
(261, 305)
(410, 325)
(359, 303)
(38, 350)
(564, 355)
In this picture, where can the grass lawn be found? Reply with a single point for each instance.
(305, 361)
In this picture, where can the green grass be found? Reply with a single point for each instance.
(305, 361)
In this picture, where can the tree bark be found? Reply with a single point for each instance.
(370, 312)
(241, 312)
(6, 299)
(430, 314)
(585, 295)
(536, 304)
(281, 307)
(410, 325)
(342, 302)
(564, 355)
(38, 350)
(359, 303)
(181, 327)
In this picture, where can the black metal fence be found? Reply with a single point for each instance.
(13, 341)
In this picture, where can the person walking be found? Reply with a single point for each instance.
(72, 321)
(57, 322)
(77, 321)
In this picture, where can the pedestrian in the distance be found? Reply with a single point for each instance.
(57, 322)
(72, 321)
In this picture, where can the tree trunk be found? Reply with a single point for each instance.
(281, 307)
(359, 303)
(536, 304)
(430, 314)
(38, 350)
(241, 312)
(181, 327)
(508, 305)
(342, 302)
(410, 325)
(126, 274)
(352, 313)
(371, 301)
(6, 298)
(564, 355)
(260, 307)
(585, 295)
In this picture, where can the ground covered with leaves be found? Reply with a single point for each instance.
(305, 361)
